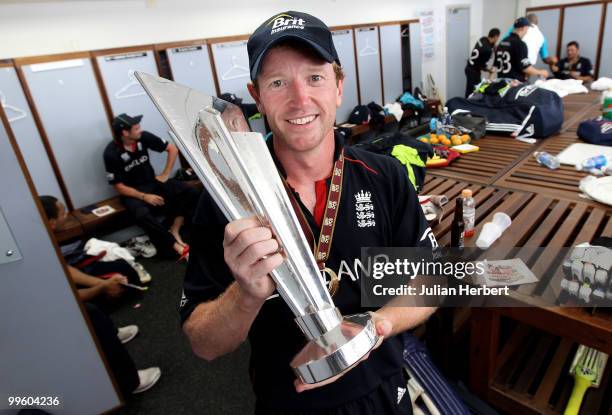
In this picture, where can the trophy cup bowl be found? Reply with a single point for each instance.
(238, 171)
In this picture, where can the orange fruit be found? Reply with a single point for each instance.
(456, 140)
(433, 135)
(442, 137)
(424, 140)
(434, 140)
(446, 141)
(465, 138)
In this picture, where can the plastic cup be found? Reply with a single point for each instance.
(489, 234)
(502, 220)
(493, 230)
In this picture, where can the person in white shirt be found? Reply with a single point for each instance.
(536, 42)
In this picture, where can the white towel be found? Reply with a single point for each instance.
(563, 87)
(113, 251)
(602, 84)
(395, 108)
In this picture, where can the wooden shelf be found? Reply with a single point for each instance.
(533, 376)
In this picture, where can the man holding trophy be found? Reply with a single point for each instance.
(345, 199)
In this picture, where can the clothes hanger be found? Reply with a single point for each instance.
(123, 92)
(20, 113)
(368, 50)
(240, 71)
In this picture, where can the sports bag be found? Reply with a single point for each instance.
(523, 110)
(596, 131)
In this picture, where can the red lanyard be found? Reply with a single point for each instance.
(331, 212)
(321, 251)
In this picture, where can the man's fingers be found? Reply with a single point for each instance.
(267, 265)
(235, 228)
(254, 251)
(383, 327)
(301, 386)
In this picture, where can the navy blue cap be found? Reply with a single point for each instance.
(125, 122)
(290, 25)
(521, 22)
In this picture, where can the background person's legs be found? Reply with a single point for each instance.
(119, 266)
(472, 79)
(181, 201)
(158, 233)
(119, 361)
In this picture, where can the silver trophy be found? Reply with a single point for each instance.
(237, 169)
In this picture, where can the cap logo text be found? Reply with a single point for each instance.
(285, 21)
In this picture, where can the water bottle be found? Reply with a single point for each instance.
(546, 159)
(469, 212)
(593, 163)
(446, 118)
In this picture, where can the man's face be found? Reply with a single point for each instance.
(133, 133)
(62, 215)
(522, 31)
(299, 95)
(572, 51)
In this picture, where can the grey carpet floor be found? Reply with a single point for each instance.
(188, 385)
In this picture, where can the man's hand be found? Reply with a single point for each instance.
(162, 178)
(153, 200)
(575, 74)
(384, 328)
(251, 253)
(543, 73)
(113, 286)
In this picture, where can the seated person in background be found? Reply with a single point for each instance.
(573, 66)
(479, 60)
(511, 56)
(145, 195)
(91, 286)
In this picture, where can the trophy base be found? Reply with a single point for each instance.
(337, 350)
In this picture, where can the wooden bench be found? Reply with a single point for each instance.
(500, 155)
(563, 182)
(538, 220)
(79, 224)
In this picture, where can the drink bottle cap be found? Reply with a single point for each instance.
(466, 193)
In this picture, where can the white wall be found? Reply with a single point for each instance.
(498, 13)
(41, 27)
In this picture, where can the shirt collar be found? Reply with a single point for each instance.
(338, 146)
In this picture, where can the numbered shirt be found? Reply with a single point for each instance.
(512, 58)
(132, 168)
(480, 55)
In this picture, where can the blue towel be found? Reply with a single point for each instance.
(407, 98)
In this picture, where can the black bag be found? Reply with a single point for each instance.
(476, 124)
(384, 143)
(524, 110)
(359, 115)
(596, 131)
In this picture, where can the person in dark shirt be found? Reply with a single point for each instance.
(228, 294)
(90, 286)
(479, 59)
(512, 57)
(573, 66)
(145, 195)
